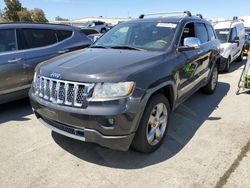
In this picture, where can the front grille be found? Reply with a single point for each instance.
(61, 92)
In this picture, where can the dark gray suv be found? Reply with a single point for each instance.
(122, 89)
(24, 45)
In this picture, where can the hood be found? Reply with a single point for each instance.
(93, 65)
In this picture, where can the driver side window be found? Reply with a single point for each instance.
(187, 32)
(233, 34)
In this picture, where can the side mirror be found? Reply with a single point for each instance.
(92, 25)
(190, 43)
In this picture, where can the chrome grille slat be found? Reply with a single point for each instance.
(61, 92)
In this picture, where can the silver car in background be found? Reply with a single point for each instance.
(24, 45)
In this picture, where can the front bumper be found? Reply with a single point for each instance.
(111, 125)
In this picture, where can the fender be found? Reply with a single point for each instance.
(149, 93)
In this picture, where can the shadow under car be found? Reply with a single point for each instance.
(184, 122)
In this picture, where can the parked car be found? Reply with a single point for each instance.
(24, 45)
(232, 37)
(92, 33)
(121, 90)
(99, 26)
(247, 41)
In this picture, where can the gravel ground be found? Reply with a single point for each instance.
(207, 145)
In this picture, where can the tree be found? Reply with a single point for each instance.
(11, 9)
(24, 15)
(37, 15)
(58, 18)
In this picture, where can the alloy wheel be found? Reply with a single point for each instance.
(214, 78)
(157, 124)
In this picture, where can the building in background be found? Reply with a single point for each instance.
(79, 22)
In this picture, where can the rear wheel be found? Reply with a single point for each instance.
(103, 30)
(240, 58)
(212, 84)
(153, 125)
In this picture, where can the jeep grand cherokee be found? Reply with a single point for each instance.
(120, 91)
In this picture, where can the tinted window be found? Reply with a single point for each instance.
(7, 42)
(99, 23)
(233, 34)
(211, 32)
(89, 31)
(34, 38)
(201, 32)
(63, 34)
(188, 31)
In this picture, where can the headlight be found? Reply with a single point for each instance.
(111, 91)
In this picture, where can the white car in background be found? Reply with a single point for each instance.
(99, 26)
(92, 33)
(232, 37)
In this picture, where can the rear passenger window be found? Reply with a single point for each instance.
(63, 34)
(99, 23)
(8, 40)
(34, 38)
(211, 32)
(201, 32)
(89, 31)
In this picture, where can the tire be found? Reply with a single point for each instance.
(145, 140)
(227, 66)
(212, 83)
(103, 30)
(240, 58)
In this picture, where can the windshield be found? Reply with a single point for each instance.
(146, 35)
(222, 35)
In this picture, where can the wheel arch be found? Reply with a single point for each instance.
(167, 88)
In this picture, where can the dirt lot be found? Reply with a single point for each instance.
(207, 146)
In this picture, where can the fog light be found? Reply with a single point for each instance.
(111, 121)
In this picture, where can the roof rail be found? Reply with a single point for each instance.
(199, 15)
(235, 19)
(34, 23)
(187, 13)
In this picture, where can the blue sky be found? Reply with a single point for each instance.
(122, 8)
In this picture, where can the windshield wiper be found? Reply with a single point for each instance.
(98, 46)
(126, 48)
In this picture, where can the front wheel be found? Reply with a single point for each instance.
(227, 66)
(103, 30)
(212, 83)
(153, 125)
(240, 58)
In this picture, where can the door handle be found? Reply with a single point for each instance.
(14, 60)
(62, 51)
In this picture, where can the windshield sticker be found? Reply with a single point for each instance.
(170, 25)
